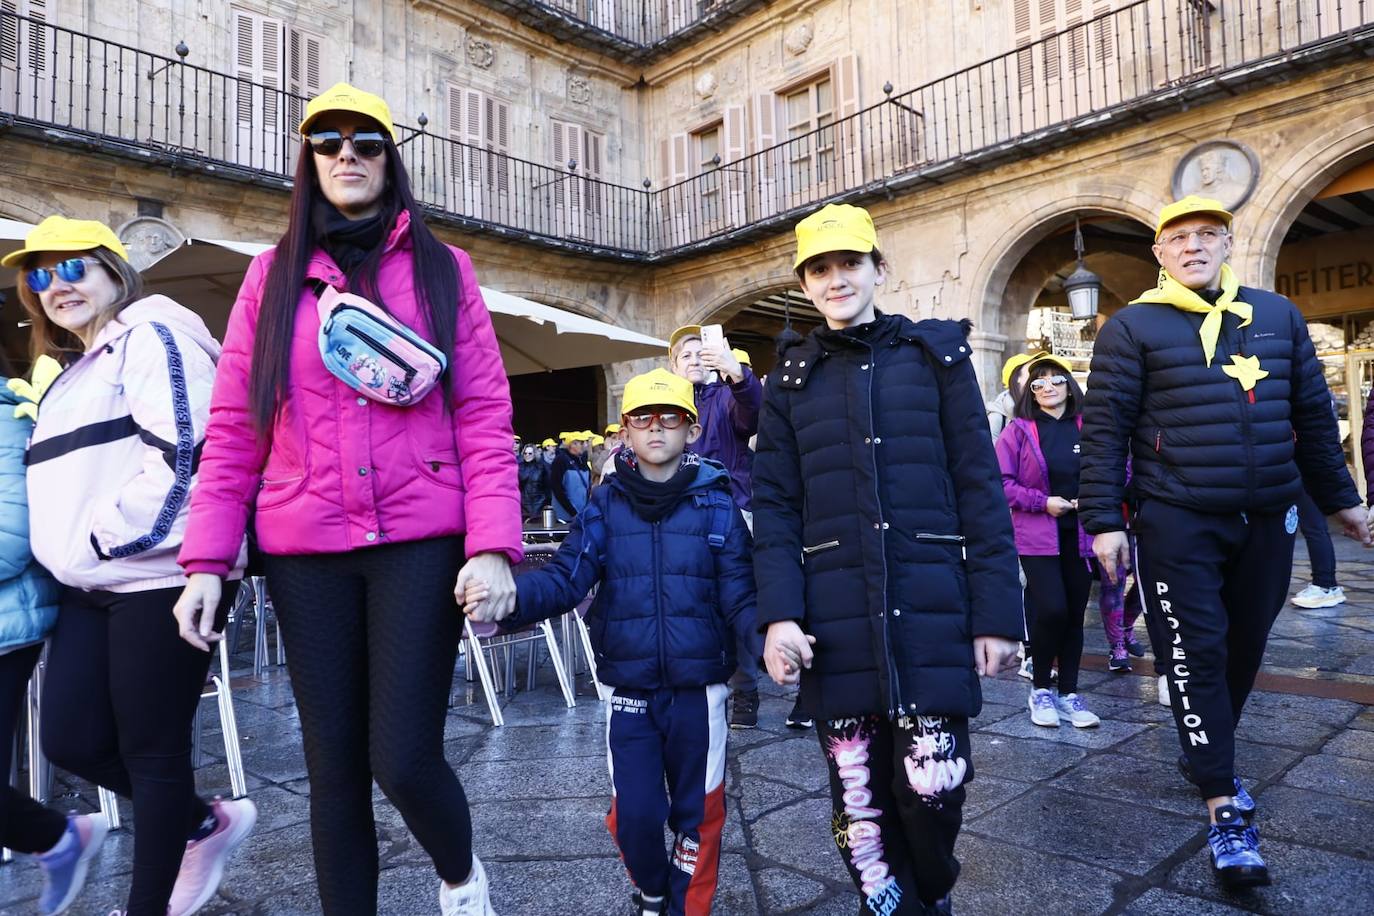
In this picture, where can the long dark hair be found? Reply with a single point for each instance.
(435, 271)
(1025, 401)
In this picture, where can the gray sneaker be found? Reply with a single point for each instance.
(1043, 710)
(1071, 707)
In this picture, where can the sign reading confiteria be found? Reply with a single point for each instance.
(1330, 274)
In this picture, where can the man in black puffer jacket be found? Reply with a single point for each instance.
(1214, 392)
(882, 534)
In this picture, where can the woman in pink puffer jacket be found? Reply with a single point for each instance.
(368, 514)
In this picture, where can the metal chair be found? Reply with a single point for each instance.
(253, 598)
(220, 688)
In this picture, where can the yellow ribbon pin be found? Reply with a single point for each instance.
(45, 371)
(1246, 370)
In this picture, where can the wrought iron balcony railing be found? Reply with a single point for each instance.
(1143, 59)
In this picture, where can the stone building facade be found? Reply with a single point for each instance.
(651, 180)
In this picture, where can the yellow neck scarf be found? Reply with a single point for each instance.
(1171, 292)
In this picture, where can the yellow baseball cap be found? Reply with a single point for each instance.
(1016, 362)
(835, 227)
(57, 233)
(1192, 205)
(343, 97)
(1049, 358)
(742, 356)
(658, 387)
(612, 428)
(564, 437)
(687, 330)
(598, 440)
(547, 442)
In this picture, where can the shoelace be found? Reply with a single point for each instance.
(1044, 701)
(1232, 840)
(1076, 703)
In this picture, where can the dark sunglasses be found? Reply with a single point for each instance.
(669, 419)
(369, 144)
(72, 270)
(1046, 382)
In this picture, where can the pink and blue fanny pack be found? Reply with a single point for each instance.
(373, 353)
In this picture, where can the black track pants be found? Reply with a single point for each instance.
(25, 825)
(1217, 582)
(1057, 590)
(119, 698)
(371, 640)
(897, 792)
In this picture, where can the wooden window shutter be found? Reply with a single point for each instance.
(1047, 23)
(765, 121)
(846, 75)
(1025, 62)
(1104, 37)
(498, 141)
(665, 164)
(732, 150)
(37, 51)
(1073, 19)
(682, 167)
(302, 71)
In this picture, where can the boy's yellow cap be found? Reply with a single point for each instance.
(612, 428)
(343, 97)
(658, 387)
(1016, 362)
(57, 233)
(547, 442)
(835, 227)
(1192, 205)
(742, 356)
(598, 440)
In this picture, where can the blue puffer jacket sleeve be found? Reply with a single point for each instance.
(28, 595)
(738, 597)
(559, 585)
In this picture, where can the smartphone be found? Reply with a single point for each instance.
(712, 335)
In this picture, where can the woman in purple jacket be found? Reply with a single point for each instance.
(1038, 453)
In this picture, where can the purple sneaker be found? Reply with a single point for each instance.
(64, 871)
(202, 866)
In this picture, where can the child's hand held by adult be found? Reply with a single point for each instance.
(786, 651)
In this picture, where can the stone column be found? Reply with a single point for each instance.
(989, 352)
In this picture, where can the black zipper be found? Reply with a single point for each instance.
(658, 605)
(1245, 431)
(380, 348)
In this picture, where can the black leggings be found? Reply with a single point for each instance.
(118, 701)
(371, 640)
(25, 825)
(1057, 591)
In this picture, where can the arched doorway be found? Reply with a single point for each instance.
(1326, 265)
(1033, 309)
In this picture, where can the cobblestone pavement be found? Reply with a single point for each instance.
(1058, 821)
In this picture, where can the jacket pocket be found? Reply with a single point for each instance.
(821, 547)
(940, 538)
(274, 491)
(441, 469)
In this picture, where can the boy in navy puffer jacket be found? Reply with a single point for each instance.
(673, 558)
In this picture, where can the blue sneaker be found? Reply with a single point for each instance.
(1235, 851)
(64, 869)
(1242, 800)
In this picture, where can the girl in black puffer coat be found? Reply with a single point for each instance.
(884, 562)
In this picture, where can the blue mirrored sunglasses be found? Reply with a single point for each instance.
(72, 270)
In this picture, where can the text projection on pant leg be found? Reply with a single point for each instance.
(932, 767)
(1179, 673)
(862, 836)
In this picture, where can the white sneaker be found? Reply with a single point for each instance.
(1043, 709)
(470, 898)
(1026, 669)
(1164, 690)
(1314, 596)
(1071, 707)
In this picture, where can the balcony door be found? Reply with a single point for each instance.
(24, 62)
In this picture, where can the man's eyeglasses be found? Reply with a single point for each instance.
(1206, 236)
(668, 419)
(1045, 383)
(72, 270)
(369, 144)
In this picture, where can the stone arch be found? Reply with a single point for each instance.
(568, 303)
(1292, 186)
(1016, 241)
(731, 300)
